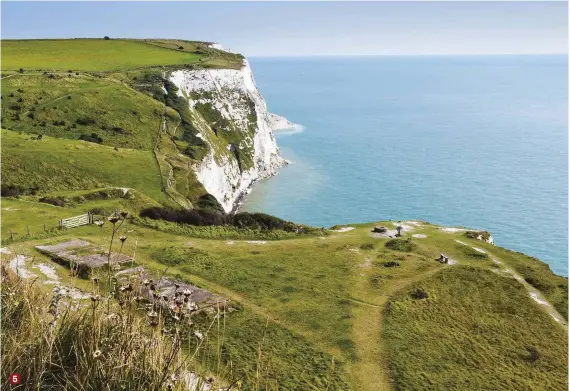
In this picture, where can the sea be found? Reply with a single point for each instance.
(474, 141)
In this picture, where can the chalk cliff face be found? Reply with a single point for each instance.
(231, 117)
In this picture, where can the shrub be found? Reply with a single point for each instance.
(85, 121)
(21, 70)
(208, 201)
(419, 294)
(56, 201)
(20, 100)
(400, 245)
(106, 38)
(117, 129)
(476, 234)
(31, 115)
(391, 264)
(12, 190)
(533, 354)
(93, 138)
(212, 217)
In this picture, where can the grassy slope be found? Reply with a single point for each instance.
(325, 298)
(55, 164)
(106, 101)
(116, 105)
(473, 333)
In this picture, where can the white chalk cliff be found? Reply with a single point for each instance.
(233, 94)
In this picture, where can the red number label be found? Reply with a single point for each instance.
(15, 378)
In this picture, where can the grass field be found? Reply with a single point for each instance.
(107, 55)
(474, 332)
(320, 307)
(88, 55)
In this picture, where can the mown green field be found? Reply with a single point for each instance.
(329, 312)
(109, 55)
(88, 55)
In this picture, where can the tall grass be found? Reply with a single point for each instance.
(57, 343)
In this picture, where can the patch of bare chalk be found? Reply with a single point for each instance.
(343, 229)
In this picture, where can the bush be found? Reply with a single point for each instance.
(56, 201)
(93, 138)
(391, 264)
(400, 245)
(212, 217)
(476, 234)
(106, 38)
(419, 294)
(85, 121)
(21, 70)
(208, 201)
(12, 191)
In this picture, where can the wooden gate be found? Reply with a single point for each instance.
(76, 221)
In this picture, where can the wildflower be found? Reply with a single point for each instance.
(123, 238)
(114, 219)
(199, 335)
(95, 298)
(153, 323)
(169, 387)
(124, 214)
(176, 318)
(174, 377)
(209, 380)
(97, 354)
(192, 306)
(187, 292)
(152, 314)
(99, 223)
(95, 279)
(126, 288)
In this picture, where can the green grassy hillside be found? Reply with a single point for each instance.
(344, 307)
(311, 309)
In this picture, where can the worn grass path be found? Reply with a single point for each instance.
(371, 372)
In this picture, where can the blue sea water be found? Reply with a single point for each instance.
(476, 141)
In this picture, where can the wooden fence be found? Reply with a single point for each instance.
(76, 221)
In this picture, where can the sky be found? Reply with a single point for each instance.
(308, 28)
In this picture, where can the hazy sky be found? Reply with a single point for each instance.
(308, 28)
